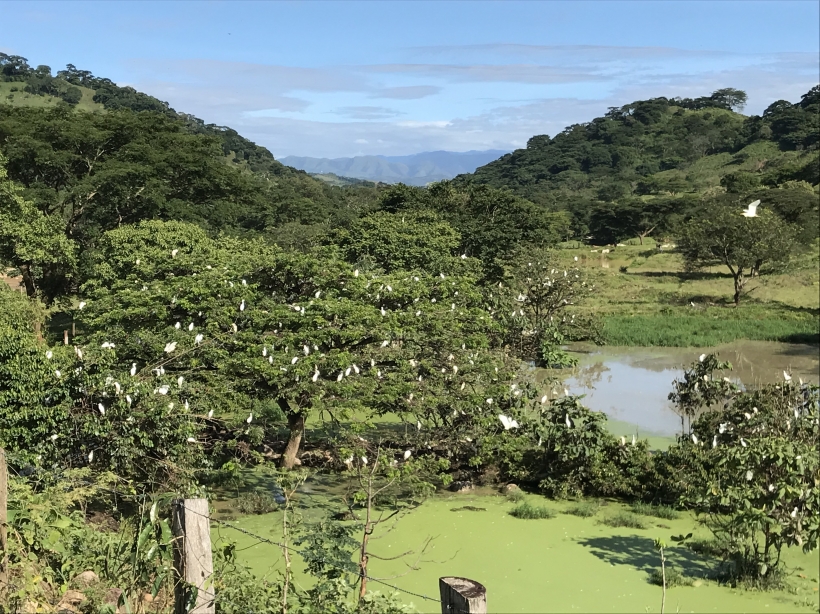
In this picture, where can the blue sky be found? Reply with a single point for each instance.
(332, 79)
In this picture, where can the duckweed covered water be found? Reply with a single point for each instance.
(561, 564)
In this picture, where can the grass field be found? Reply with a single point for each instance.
(645, 298)
(12, 93)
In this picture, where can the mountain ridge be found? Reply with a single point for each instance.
(414, 169)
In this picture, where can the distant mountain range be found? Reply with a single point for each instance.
(418, 169)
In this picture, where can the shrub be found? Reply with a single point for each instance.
(585, 509)
(516, 496)
(625, 519)
(256, 503)
(673, 577)
(658, 511)
(531, 512)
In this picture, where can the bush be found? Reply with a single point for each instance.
(673, 578)
(531, 512)
(256, 503)
(658, 511)
(585, 509)
(516, 496)
(625, 519)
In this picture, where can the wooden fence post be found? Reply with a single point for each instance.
(4, 558)
(193, 559)
(462, 596)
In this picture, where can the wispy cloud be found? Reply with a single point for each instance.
(367, 112)
(406, 92)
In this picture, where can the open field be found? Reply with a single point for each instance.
(12, 93)
(645, 298)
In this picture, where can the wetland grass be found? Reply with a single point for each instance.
(528, 511)
(658, 511)
(625, 519)
(584, 509)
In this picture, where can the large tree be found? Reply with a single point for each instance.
(723, 236)
(247, 323)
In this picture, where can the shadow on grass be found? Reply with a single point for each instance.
(639, 552)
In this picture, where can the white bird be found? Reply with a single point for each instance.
(101, 407)
(566, 392)
(81, 305)
(210, 413)
(508, 422)
(633, 439)
(356, 369)
(464, 256)
(242, 305)
(623, 440)
(294, 360)
(191, 326)
(385, 343)
(364, 460)
(177, 325)
(543, 399)
(198, 339)
(722, 427)
(418, 425)
(244, 282)
(702, 357)
(180, 379)
(186, 405)
(170, 347)
(340, 376)
(347, 372)
(91, 456)
(694, 439)
(794, 513)
(356, 273)
(318, 294)
(174, 253)
(128, 398)
(191, 440)
(315, 375)
(489, 401)
(743, 442)
(117, 387)
(249, 419)
(463, 384)
(751, 209)
(162, 390)
(264, 351)
(714, 441)
(54, 437)
(787, 377)
(78, 352)
(49, 354)
(234, 328)
(407, 454)
(749, 475)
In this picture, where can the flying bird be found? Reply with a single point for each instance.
(751, 209)
(508, 422)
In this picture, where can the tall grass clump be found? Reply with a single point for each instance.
(516, 496)
(585, 509)
(658, 511)
(528, 511)
(625, 519)
(703, 331)
(256, 503)
(674, 577)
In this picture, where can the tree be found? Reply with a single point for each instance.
(33, 243)
(758, 492)
(742, 244)
(305, 331)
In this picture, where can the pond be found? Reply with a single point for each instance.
(631, 384)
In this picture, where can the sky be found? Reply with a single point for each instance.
(335, 79)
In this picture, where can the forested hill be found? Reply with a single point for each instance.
(103, 155)
(647, 160)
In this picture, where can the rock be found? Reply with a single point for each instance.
(71, 601)
(462, 486)
(508, 489)
(112, 597)
(86, 578)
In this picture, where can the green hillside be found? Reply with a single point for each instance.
(646, 164)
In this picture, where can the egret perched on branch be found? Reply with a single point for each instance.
(407, 454)
(787, 377)
(751, 209)
(198, 339)
(702, 357)
(170, 347)
(508, 422)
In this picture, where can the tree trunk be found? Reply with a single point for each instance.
(296, 424)
(738, 286)
(28, 280)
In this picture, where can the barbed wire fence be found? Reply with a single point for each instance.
(458, 595)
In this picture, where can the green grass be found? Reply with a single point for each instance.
(532, 512)
(516, 496)
(19, 98)
(673, 578)
(586, 509)
(704, 330)
(625, 519)
(658, 511)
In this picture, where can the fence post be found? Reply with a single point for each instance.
(462, 596)
(4, 559)
(193, 559)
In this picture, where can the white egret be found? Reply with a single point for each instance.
(191, 326)
(787, 377)
(385, 343)
(244, 282)
(347, 372)
(198, 339)
(78, 352)
(714, 442)
(177, 325)
(170, 347)
(340, 376)
(508, 422)
(749, 475)
(315, 375)
(101, 407)
(249, 419)
(54, 437)
(265, 351)
(191, 440)
(356, 273)
(81, 305)
(180, 379)
(162, 390)
(794, 513)
(210, 413)
(49, 354)
(242, 305)
(543, 399)
(463, 384)
(418, 425)
(294, 360)
(623, 440)
(174, 253)
(407, 454)
(364, 460)
(318, 294)
(722, 428)
(234, 328)
(743, 442)
(91, 456)
(489, 401)
(694, 439)
(702, 357)
(356, 369)
(128, 399)
(751, 209)
(186, 405)
(117, 387)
